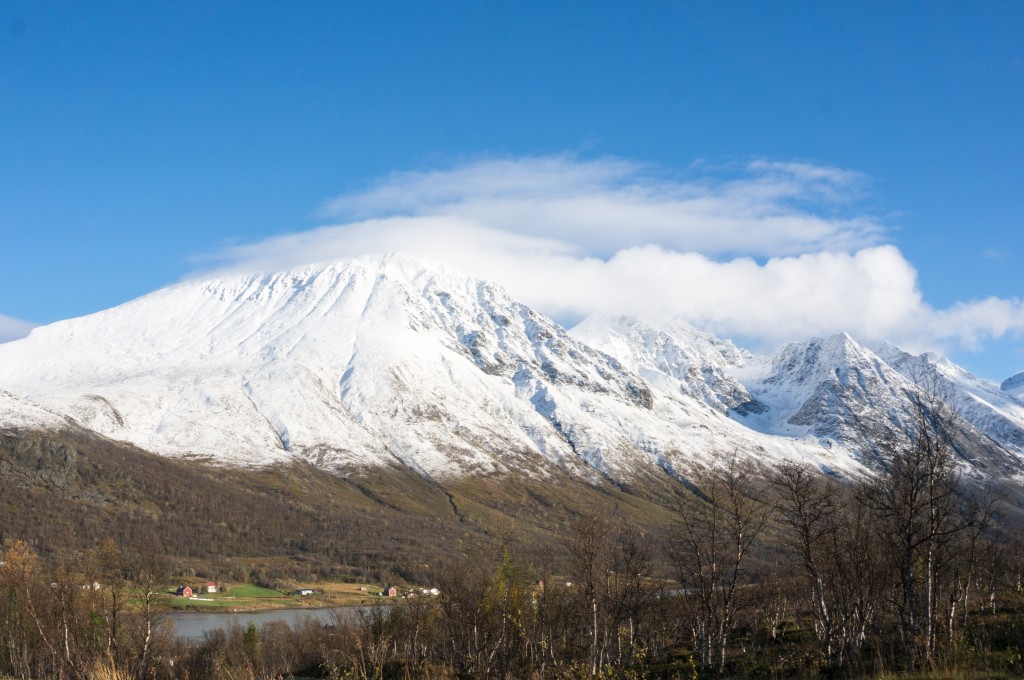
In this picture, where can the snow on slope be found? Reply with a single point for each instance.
(832, 391)
(320, 360)
(840, 391)
(375, 361)
(673, 356)
(1014, 386)
(830, 388)
(21, 413)
(797, 395)
(992, 410)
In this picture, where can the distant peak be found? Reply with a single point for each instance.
(842, 338)
(841, 342)
(644, 324)
(1014, 384)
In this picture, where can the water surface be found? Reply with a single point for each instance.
(195, 625)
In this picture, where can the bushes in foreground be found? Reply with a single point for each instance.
(835, 602)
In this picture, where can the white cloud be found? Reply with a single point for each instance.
(613, 204)
(774, 252)
(971, 324)
(13, 329)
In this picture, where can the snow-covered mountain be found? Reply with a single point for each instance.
(1014, 385)
(22, 413)
(833, 391)
(830, 388)
(387, 361)
(375, 361)
(995, 412)
(673, 356)
(839, 390)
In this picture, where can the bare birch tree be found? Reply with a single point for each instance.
(712, 538)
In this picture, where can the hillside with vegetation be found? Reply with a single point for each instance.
(65, 492)
(739, 573)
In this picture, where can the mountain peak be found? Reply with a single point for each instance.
(1014, 385)
(819, 359)
(381, 358)
(387, 360)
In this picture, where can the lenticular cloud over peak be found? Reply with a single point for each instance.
(769, 251)
(606, 205)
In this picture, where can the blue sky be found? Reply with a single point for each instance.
(141, 141)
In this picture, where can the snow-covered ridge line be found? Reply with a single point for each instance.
(386, 360)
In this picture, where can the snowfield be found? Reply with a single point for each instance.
(385, 360)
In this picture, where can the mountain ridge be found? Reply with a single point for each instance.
(388, 360)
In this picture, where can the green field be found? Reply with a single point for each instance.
(249, 597)
(249, 591)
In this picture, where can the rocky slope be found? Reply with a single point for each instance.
(674, 357)
(831, 391)
(993, 411)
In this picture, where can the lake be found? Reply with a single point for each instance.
(195, 625)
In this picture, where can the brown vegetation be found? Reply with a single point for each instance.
(799, 575)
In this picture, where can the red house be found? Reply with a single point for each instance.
(390, 591)
(184, 591)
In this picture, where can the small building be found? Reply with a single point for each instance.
(304, 591)
(184, 591)
(390, 591)
(209, 587)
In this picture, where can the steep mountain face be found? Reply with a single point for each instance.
(674, 357)
(826, 391)
(832, 391)
(840, 391)
(356, 362)
(992, 410)
(385, 362)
